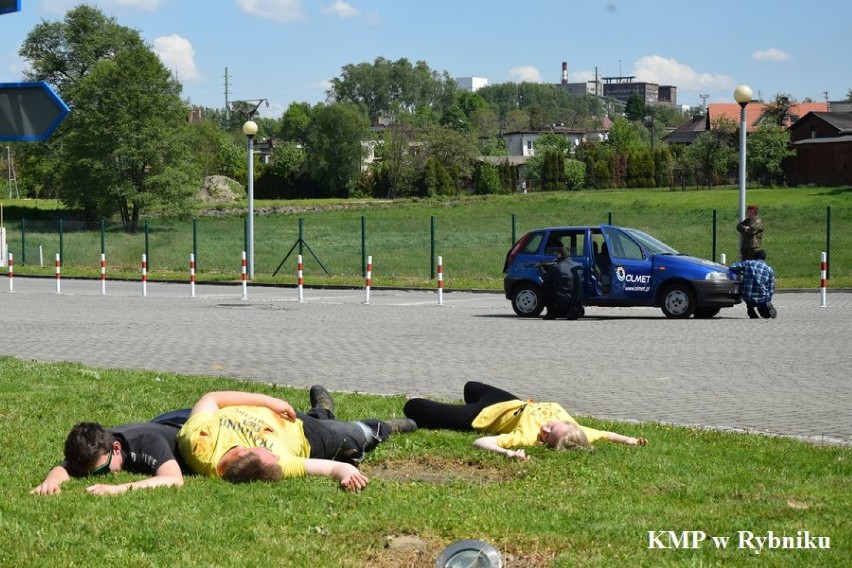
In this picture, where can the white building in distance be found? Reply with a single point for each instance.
(471, 84)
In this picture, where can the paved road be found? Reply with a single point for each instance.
(789, 376)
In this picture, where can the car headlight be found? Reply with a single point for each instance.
(716, 276)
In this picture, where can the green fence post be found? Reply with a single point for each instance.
(195, 243)
(828, 242)
(147, 254)
(514, 227)
(609, 218)
(23, 241)
(713, 231)
(103, 240)
(432, 247)
(363, 246)
(61, 243)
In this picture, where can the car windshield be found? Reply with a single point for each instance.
(650, 243)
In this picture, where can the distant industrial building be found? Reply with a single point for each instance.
(471, 84)
(620, 89)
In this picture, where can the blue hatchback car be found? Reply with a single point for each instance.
(621, 267)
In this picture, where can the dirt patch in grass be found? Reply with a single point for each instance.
(431, 469)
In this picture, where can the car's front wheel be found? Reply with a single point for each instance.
(527, 301)
(678, 301)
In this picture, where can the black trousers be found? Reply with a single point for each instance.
(441, 415)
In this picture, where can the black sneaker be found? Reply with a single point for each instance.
(321, 398)
(402, 425)
(752, 314)
(773, 313)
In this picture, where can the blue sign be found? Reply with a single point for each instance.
(29, 112)
(9, 6)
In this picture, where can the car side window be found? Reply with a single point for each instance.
(623, 247)
(532, 245)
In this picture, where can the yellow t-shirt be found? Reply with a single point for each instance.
(206, 437)
(518, 423)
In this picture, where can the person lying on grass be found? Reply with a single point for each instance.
(149, 448)
(242, 437)
(511, 421)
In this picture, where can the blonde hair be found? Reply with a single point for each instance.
(573, 440)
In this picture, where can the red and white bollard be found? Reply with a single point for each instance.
(58, 278)
(244, 277)
(192, 275)
(823, 270)
(368, 281)
(103, 274)
(299, 281)
(11, 273)
(440, 280)
(144, 275)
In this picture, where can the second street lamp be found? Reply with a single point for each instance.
(250, 129)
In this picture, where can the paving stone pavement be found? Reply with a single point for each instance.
(789, 376)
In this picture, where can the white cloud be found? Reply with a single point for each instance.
(666, 71)
(527, 74)
(275, 10)
(341, 10)
(178, 56)
(770, 54)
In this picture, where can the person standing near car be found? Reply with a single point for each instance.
(562, 285)
(758, 285)
(751, 233)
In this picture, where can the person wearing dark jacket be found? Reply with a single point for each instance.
(562, 285)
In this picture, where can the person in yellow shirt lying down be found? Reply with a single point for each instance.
(510, 421)
(243, 436)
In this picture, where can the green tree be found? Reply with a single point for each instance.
(127, 144)
(334, 149)
(712, 153)
(487, 179)
(392, 88)
(634, 110)
(62, 53)
(768, 146)
(295, 122)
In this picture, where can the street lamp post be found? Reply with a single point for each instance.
(742, 95)
(250, 129)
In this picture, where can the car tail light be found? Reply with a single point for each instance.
(510, 258)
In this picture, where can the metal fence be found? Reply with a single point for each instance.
(404, 247)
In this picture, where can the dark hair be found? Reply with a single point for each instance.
(249, 467)
(85, 444)
(760, 254)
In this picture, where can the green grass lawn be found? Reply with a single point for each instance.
(472, 235)
(432, 488)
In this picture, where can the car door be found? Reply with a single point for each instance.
(631, 269)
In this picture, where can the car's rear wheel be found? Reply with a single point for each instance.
(706, 313)
(678, 301)
(527, 301)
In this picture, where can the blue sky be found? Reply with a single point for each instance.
(287, 50)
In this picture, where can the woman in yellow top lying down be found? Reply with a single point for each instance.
(510, 421)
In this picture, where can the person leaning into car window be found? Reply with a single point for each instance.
(510, 422)
(561, 287)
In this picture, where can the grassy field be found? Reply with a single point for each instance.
(471, 235)
(428, 489)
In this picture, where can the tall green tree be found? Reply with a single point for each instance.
(123, 149)
(63, 52)
(768, 146)
(391, 88)
(334, 150)
(712, 153)
(126, 147)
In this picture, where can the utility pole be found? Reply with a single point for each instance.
(10, 166)
(227, 106)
